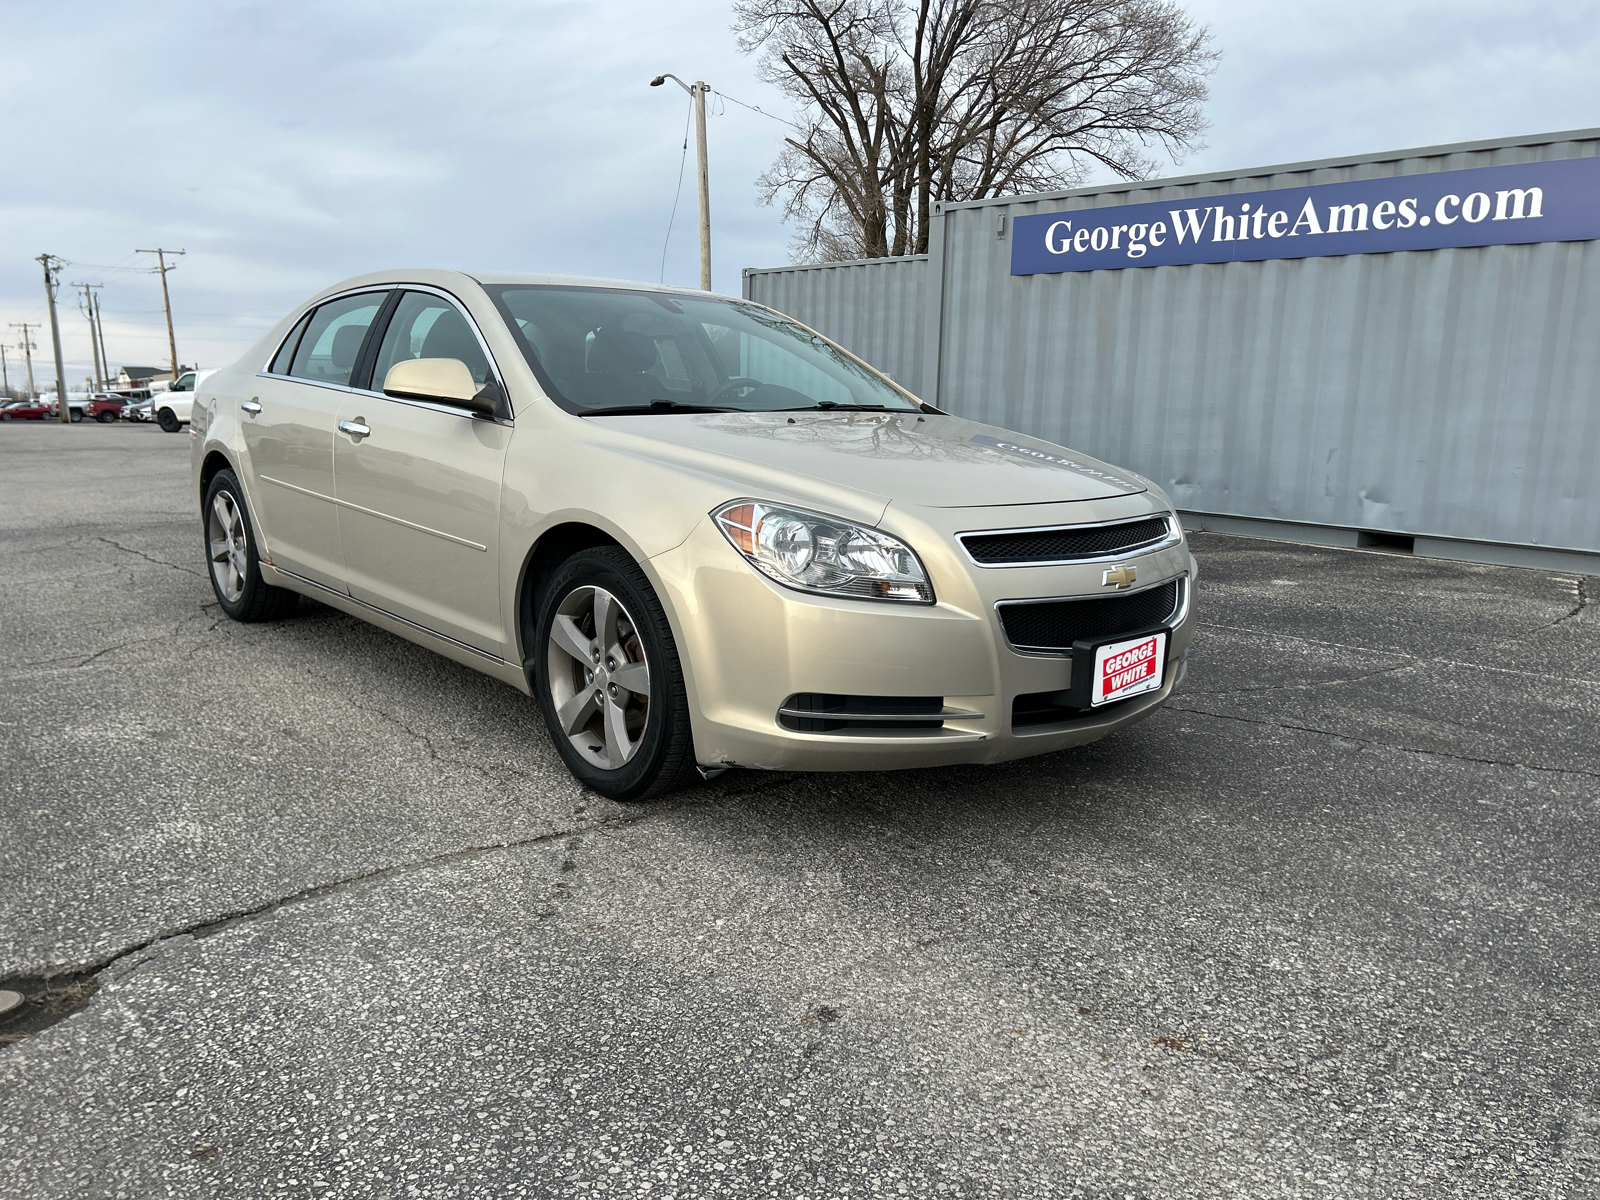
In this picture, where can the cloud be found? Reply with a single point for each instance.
(287, 145)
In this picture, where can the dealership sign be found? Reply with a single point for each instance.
(1488, 206)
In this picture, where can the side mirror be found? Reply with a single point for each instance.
(443, 380)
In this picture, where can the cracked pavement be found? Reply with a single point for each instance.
(1325, 926)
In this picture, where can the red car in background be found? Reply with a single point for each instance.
(27, 410)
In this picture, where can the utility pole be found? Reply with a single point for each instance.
(161, 260)
(5, 374)
(100, 336)
(52, 267)
(697, 90)
(94, 345)
(28, 346)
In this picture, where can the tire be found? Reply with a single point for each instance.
(5, 417)
(660, 758)
(106, 416)
(168, 421)
(76, 415)
(234, 566)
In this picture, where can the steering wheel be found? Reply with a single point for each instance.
(738, 381)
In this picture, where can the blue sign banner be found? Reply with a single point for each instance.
(1486, 206)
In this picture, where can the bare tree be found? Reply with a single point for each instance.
(907, 102)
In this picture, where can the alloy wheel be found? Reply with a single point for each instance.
(227, 541)
(599, 677)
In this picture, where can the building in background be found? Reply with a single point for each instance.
(1395, 350)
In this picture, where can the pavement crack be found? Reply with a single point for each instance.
(1583, 602)
(427, 744)
(54, 997)
(160, 562)
(1370, 741)
(83, 662)
(1302, 687)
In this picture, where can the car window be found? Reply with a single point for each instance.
(281, 360)
(428, 326)
(332, 340)
(603, 348)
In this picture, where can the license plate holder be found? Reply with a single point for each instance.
(1108, 669)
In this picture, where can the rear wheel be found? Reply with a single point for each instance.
(77, 415)
(235, 564)
(168, 421)
(106, 416)
(608, 680)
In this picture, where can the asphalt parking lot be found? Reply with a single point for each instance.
(1325, 926)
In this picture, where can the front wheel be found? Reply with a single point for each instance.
(608, 680)
(106, 416)
(168, 421)
(77, 415)
(235, 563)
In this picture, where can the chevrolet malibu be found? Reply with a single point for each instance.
(699, 534)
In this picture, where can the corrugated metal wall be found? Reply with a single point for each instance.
(872, 307)
(1447, 393)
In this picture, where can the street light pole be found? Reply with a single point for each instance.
(698, 90)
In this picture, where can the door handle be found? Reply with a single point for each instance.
(250, 406)
(357, 429)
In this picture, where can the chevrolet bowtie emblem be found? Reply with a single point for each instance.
(1119, 577)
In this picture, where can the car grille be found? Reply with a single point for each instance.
(1056, 624)
(1066, 544)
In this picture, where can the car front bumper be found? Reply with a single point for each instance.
(748, 644)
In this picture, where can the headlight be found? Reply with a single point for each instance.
(825, 555)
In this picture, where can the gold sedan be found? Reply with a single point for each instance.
(699, 534)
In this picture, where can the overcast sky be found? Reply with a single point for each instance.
(287, 145)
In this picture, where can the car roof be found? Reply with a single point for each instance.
(445, 279)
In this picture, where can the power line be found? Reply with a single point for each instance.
(763, 112)
(675, 195)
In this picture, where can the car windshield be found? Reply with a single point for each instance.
(613, 350)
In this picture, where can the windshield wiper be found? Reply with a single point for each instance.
(835, 406)
(655, 406)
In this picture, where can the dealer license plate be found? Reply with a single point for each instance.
(1123, 669)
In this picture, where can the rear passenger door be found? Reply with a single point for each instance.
(419, 490)
(288, 431)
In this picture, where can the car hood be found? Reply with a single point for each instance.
(938, 461)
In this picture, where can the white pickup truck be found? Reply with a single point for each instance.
(172, 407)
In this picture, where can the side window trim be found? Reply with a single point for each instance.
(495, 377)
(366, 358)
(361, 377)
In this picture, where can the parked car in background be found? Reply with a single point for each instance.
(173, 406)
(697, 533)
(138, 410)
(27, 410)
